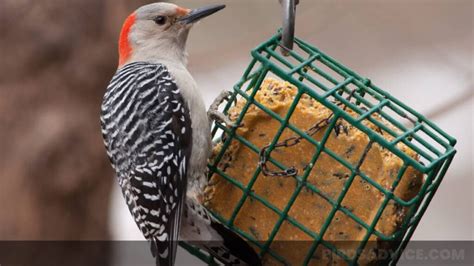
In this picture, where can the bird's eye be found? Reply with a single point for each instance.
(160, 20)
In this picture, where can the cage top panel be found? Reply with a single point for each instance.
(357, 100)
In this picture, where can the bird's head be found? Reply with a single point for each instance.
(159, 32)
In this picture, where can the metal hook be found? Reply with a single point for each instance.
(288, 32)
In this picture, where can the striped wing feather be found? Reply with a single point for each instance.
(147, 133)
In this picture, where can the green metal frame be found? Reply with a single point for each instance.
(329, 82)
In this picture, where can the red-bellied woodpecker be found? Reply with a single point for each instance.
(157, 135)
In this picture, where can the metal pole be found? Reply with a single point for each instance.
(288, 31)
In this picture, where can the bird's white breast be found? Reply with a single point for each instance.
(201, 147)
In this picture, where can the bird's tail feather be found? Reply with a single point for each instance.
(160, 251)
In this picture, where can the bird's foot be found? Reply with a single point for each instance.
(215, 115)
(224, 95)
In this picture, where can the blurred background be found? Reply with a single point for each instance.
(58, 57)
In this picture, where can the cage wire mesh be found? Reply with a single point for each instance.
(341, 90)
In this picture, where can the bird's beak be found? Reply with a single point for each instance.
(199, 13)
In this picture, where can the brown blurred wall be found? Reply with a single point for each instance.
(56, 59)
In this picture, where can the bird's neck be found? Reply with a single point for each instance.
(152, 55)
(160, 53)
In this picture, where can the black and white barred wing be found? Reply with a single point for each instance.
(147, 132)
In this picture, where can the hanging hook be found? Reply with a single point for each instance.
(288, 32)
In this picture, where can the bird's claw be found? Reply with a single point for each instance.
(215, 115)
(224, 95)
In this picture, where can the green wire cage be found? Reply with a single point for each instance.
(329, 82)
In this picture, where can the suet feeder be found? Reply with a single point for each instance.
(385, 121)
